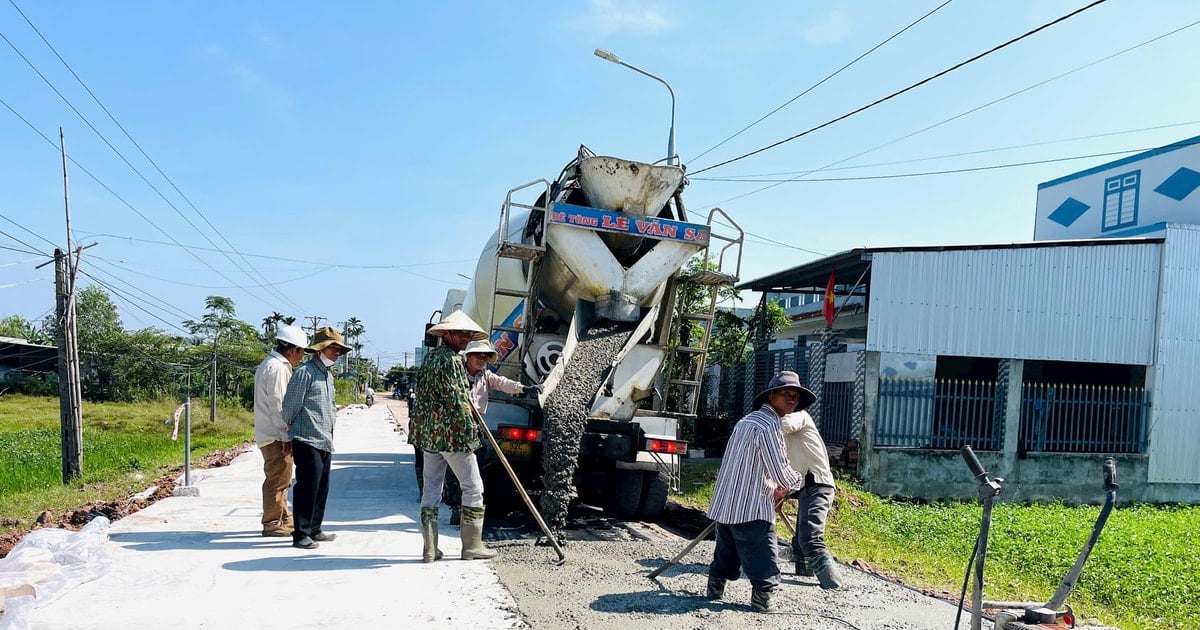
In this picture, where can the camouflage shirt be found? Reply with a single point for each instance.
(441, 421)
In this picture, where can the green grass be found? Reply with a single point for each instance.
(126, 446)
(1143, 573)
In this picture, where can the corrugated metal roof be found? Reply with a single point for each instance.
(1059, 302)
(1175, 431)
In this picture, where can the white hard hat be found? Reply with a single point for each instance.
(293, 335)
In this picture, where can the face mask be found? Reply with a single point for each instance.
(327, 362)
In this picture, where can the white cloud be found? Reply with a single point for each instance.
(607, 17)
(831, 29)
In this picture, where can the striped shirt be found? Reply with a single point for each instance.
(308, 406)
(753, 466)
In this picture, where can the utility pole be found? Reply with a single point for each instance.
(70, 394)
(316, 322)
(212, 386)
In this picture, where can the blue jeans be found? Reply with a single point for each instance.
(748, 547)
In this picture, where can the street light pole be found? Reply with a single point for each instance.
(607, 56)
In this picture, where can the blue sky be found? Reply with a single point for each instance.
(358, 153)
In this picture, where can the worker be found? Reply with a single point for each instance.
(477, 356)
(271, 432)
(807, 455)
(309, 410)
(754, 475)
(444, 428)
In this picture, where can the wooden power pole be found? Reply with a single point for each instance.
(70, 393)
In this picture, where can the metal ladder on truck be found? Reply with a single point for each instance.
(530, 253)
(685, 369)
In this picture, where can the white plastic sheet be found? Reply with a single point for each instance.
(47, 562)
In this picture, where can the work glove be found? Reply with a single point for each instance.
(532, 390)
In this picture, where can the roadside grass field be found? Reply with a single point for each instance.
(1143, 573)
(126, 447)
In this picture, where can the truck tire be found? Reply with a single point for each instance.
(625, 493)
(654, 501)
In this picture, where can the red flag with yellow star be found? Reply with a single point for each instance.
(827, 307)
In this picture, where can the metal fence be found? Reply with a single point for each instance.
(1083, 418)
(940, 413)
(837, 416)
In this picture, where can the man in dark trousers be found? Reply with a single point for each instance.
(754, 475)
(807, 454)
(310, 413)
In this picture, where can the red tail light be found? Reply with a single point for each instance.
(520, 434)
(669, 447)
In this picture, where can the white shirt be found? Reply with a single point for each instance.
(805, 447)
(270, 384)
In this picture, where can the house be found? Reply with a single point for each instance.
(19, 358)
(1045, 356)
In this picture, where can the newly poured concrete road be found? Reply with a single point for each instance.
(200, 562)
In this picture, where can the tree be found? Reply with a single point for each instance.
(733, 335)
(96, 318)
(235, 348)
(21, 328)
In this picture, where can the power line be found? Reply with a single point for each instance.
(130, 301)
(964, 113)
(948, 171)
(167, 306)
(909, 88)
(20, 251)
(123, 201)
(35, 250)
(143, 152)
(818, 83)
(929, 158)
(127, 162)
(48, 241)
(204, 286)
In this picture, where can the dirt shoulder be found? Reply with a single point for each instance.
(124, 506)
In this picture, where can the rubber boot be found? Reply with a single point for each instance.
(429, 534)
(825, 569)
(761, 602)
(716, 588)
(802, 567)
(471, 532)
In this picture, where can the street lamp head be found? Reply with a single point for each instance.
(607, 56)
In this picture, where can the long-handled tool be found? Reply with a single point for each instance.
(679, 556)
(537, 516)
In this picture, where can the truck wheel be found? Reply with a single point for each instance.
(625, 493)
(655, 502)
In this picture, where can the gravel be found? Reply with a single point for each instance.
(604, 585)
(566, 414)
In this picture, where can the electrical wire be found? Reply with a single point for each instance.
(207, 286)
(143, 152)
(967, 112)
(47, 241)
(947, 171)
(167, 306)
(131, 166)
(930, 158)
(818, 83)
(130, 301)
(928, 79)
(20, 251)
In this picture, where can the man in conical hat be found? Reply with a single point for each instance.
(443, 428)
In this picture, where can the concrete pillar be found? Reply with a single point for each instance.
(867, 459)
(1012, 419)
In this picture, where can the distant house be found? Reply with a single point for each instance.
(19, 358)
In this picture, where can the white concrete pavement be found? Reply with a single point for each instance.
(200, 562)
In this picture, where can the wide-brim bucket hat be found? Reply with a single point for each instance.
(328, 336)
(482, 347)
(786, 380)
(457, 320)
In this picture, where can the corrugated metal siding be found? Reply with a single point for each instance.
(1069, 303)
(1175, 425)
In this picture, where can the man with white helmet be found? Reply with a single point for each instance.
(270, 431)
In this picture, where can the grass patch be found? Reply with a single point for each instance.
(1143, 573)
(125, 446)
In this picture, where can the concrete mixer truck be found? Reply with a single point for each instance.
(579, 289)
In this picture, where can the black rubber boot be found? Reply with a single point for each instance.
(716, 588)
(802, 567)
(761, 602)
(826, 569)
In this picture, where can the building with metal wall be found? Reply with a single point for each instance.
(1045, 356)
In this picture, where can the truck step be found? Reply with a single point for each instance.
(701, 317)
(517, 293)
(514, 329)
(709, 278)
(519, 251)
(685, 383)
(691, 350)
